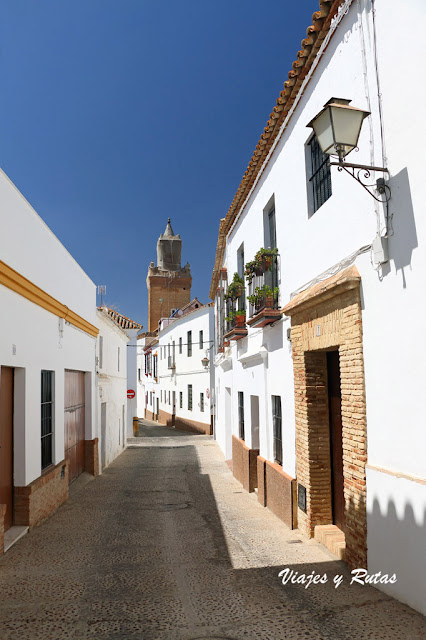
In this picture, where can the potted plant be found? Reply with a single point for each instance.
(241, 318)
(236, 288)
(264, 258)
(230, 318)
(250, 271)
(264, 296)
(226, 343)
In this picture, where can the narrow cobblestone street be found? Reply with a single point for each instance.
(165, 544)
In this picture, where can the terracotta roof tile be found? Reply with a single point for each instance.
(315, 35)
(122, 321)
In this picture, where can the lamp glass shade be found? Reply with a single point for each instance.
(324, 131)
(205, 362)
(337, 127)
(346, 124)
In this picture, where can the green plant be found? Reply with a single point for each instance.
(231, 316)
(236, 287)
(240, 312)
(262, 262)
(261, 294)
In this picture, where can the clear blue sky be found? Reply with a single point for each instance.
(116, 114)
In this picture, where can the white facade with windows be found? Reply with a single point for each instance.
(48, 324)
(111, 388)
(321, 229)
(185, 383)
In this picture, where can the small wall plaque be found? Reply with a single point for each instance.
(301, 497)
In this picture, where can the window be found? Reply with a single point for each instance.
(241, 414)
(201, 401)
(118, 359)
(169, 397)
(276, 421)
(150, 397)
(180, 345)
(201, 340)
(272, 229)
(47, 393)
(101, 352)
(154, 364)
(189, 341)
(320, 175)
(139, 375)
(180, 399)
(161, 396)
(190, 397)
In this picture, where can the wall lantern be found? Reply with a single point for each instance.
(205, 362)
(337, 128)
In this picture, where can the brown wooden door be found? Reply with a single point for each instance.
(74, 422)
(336, 444)
(6, 443)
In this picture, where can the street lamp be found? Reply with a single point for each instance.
(337, 128)
(205, 362)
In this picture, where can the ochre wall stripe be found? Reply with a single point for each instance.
(27, 289)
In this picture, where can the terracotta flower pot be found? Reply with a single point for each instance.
(241, 320)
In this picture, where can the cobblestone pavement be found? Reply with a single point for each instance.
(165, 544)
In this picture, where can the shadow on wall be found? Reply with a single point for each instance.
(397, 544)
(403, 239)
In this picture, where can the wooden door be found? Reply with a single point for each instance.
(74, 422)
(336, 443)
(6, 443)
(103, 434)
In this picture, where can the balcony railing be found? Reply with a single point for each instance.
(171, 364)
(264, 286)
(232, 306)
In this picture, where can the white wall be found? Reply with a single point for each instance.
(31, 338)
(189, 370)
(392, 298)
(132, 379)
(112, 388)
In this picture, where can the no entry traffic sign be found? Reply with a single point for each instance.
(130, 393)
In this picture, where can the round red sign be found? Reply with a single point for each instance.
(130, 393)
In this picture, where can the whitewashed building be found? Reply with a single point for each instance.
(319, 395)
(48, 333)
(175, 369)
(129, 363)
(111, 360)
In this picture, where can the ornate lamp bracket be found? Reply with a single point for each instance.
(362, 172)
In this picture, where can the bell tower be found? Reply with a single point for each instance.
(169, 284)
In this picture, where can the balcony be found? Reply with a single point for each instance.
(263, 290)
(235, 321)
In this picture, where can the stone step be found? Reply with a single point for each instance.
(332, 538)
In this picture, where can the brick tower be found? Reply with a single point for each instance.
(169, 284)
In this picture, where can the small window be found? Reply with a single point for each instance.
(180, 399)
(201, 340)
(276, 422)
(161, 396)
(169, 397)
(47, 405)
(241, 414)
(154, 359)
(320, 175)
(180, 345)
(201, 401)
(139, 375)
(118, 359)
(190, 397)
(150, 397)
(189, 343)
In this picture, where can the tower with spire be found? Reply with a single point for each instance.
(168, 283)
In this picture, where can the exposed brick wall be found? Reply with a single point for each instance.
(91, 457)
(2, 514)
(183, 424)
(332, 310)
(280, 493)
(37, 501)
(244, 464)
(176, 293)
